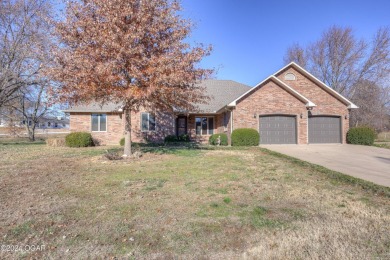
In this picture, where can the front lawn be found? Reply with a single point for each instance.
(183, 203)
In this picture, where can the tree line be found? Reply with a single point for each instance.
(25, 42)
(359, 69)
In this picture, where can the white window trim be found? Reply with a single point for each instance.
(155, 123)
(99, 131)
(208, 129)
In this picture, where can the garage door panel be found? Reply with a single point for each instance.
(324, 129)
(277, 130)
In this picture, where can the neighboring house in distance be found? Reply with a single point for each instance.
(289, 107)
(53, 122)
(49, 122)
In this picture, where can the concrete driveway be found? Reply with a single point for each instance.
(364, 162)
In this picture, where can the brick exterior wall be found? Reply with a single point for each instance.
(81, 122)
(270, 99)
(326, 103)
(218, 127)
(165, 125)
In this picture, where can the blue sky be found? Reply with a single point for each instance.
(250, 37)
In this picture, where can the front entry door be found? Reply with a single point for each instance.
(181, 125)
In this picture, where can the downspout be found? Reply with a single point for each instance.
(231, 122)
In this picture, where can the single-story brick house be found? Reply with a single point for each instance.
(289, 107)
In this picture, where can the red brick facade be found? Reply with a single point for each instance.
(270, 98)
(326, 103)
(165, 125)
(81, 122)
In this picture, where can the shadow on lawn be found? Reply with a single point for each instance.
(20, 141)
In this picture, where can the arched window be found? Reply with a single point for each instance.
(290, 76)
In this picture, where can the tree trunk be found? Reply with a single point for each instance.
(31, 133)
(127, 148)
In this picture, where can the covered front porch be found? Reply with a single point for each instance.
(199, 127)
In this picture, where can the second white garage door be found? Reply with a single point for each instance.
(278, 129)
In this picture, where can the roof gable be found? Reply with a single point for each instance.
(280, 83)
(318, 83)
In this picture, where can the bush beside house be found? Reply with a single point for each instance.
(79, 139)
(213, 140)
(245, 137)
(361, 135)
(174, 138)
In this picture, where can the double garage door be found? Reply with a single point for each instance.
(281, 129)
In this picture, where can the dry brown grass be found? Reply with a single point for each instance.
(55, 142)
(383, 137)
(182, 203)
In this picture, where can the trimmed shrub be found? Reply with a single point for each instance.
(79, 139)
(245, 137)
(170, 139)
(174, 138)
(361, 135)
(183, 138)
(213, 140)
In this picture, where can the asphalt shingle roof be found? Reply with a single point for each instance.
(94, 108)
(221, 93)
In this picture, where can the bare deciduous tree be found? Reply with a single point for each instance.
(345, 63)
(341, 61)
(130, 52)
(297, 54)
(23, 42)
(372, 110)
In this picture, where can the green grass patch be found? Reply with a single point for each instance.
(259, 219)
(23, 229)
(382, 145)
(227, 200)
(154, 184)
